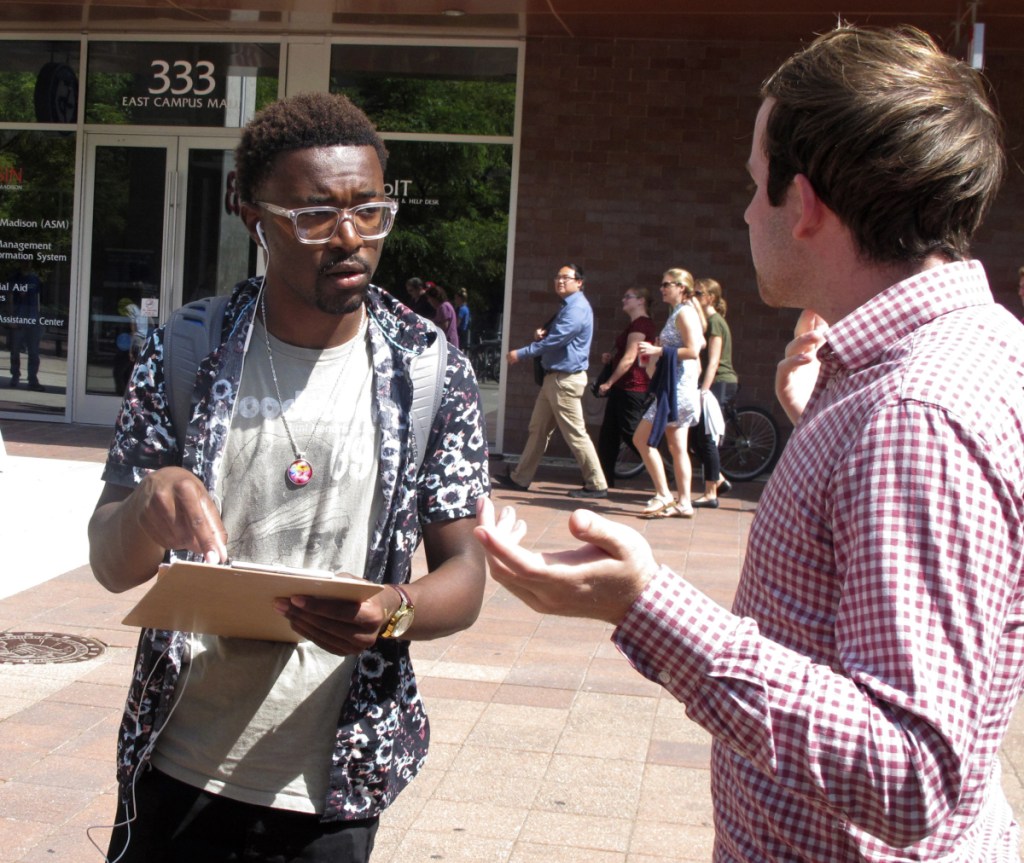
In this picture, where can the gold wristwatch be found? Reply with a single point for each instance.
(402, 619)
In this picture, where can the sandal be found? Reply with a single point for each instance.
(683, 511)
(655, 506)
(674, 510)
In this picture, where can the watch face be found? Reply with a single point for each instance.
(402, 624)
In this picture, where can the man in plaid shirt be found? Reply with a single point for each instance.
(860, 688)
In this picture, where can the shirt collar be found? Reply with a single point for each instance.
(859, 338)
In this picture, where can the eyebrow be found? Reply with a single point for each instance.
(325, 198)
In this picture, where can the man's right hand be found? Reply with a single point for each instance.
(131, 529)
(797, 372)
(174, 509)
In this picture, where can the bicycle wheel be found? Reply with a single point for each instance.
(750, 444)
(628, 464)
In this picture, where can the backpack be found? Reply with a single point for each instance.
(194, 332)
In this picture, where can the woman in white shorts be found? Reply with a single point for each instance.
(682, 334)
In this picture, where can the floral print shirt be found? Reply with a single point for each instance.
(382, 732)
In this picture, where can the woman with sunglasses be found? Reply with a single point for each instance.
(677, 406)
(626, 387)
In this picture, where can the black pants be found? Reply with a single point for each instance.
(703, 444)
(177, 823)
(622, 414)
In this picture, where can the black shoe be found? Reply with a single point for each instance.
(36, 387)
(724, 486)
(14, 381)
(705, 502)
(589, 492)
(505, 481)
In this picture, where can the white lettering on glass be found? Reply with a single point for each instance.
(198, 80)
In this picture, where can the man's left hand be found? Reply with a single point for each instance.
(339, 626)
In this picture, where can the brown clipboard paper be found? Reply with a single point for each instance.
(236, 600)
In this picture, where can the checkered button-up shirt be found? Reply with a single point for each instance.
(860, 687)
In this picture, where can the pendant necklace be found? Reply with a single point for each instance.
(300, 471)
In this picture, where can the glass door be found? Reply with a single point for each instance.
(211, 242)
(160, 228)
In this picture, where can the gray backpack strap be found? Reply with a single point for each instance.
(193, 332)
(426, 372)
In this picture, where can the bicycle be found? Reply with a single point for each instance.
(748, 448)
(485, 357)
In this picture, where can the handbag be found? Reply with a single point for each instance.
(538, 371)
(602, 377)
(538, 367)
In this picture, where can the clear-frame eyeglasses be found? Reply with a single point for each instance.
(317, 225)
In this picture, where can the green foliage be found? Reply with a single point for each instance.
(452, 225)
(105, 93)
(17, 97)
(453, 107)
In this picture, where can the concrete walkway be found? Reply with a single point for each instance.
(546, 746)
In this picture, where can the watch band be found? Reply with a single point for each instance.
(401, 619)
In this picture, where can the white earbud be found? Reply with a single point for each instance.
(259, 233)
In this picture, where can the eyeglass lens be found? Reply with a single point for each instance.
(369, 220)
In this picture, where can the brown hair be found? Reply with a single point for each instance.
(897, 138)
(714, 290)
(437, 293)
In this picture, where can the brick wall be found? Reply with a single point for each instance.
(632, 162)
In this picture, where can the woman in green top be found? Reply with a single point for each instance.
(717, 377)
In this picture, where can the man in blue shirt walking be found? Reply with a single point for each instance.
(564, 351)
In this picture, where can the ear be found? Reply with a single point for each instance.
(251, 216)
(811, 210)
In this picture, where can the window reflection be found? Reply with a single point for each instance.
(39, 82)
(446, 90)
(36, 197)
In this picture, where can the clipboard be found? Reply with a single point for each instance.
(236, 600)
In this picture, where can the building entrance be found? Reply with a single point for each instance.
(160, 228)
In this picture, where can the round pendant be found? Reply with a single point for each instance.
(299, 472)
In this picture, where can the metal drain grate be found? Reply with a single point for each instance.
(47, 648)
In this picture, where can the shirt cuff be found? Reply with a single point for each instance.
(672, 633)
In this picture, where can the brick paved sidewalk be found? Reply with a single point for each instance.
(546, 746)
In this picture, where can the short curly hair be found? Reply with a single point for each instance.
(296, 123)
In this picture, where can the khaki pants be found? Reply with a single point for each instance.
(560, 405)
